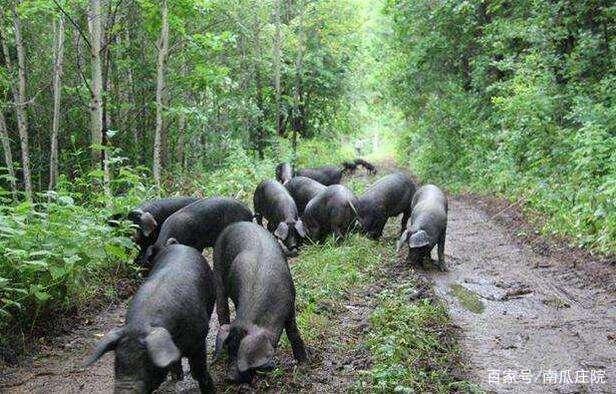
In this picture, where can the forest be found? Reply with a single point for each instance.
(105, 104)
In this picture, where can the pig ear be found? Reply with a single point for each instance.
(171, 241)
(301, 230)
(255, 351)
(148, 223)
(221, 337)
(403, 238)
(419, 239)
(161, 348)
(106, 344)
(282, 230)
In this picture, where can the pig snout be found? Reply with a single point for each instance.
(234, 375)
(289, 248)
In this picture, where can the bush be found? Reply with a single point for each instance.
(514, 99)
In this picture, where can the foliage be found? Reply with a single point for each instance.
(514, 98)
(412, 345)
(58, 256)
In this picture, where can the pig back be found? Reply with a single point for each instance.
(391, 194)
(302, 190)
(255, 273)
(200, 223)
(179, 290)
(429, 210)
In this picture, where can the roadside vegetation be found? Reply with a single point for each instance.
(514, 99)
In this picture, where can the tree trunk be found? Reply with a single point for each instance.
(8, 155)
(130, 125)
(19, 97)
(96, 107)
(296, 123)
(163, 49)
(277, 60)
(259, 91)
(182, 140)
(57, 91)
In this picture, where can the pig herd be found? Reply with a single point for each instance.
(168, 318)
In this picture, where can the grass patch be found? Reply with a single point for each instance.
(325, 274)
(412, 345)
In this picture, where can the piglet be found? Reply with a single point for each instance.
(273, 202)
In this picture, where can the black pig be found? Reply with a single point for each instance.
(272, 201)
(199, 224)
(428, 225)
(349, 167)
(303, 190)
(369, 167)
(250, 268)
(331, 211)
(328, 175)
(166, 320)
(284, 172)
(149, 217)
(389, 196)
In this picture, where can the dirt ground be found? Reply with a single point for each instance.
(530, 322)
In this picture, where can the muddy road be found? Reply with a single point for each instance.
(528, 324)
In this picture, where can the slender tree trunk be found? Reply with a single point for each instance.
(57, 91)
(277, 60)
(96, 107)
(259, 91)
(163, 49)
(8, 155)
(181, 148)
(296, 123)
(182, 140)
(19, 96)
(130, 125)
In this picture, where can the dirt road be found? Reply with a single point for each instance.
(529, 324)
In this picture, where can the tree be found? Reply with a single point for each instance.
(163, 50)
(96, 107)
(277, 67)
(57, 94)
(19, 96)
(8, 156)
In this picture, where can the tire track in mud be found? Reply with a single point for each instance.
(521, 312)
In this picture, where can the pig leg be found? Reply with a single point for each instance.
(222, 301)
(441, 251)
(405, 218)
(176, 371)
(297, 345)
(338, 234)
(199, 372)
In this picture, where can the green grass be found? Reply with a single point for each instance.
(412, 344)
(325, 274)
